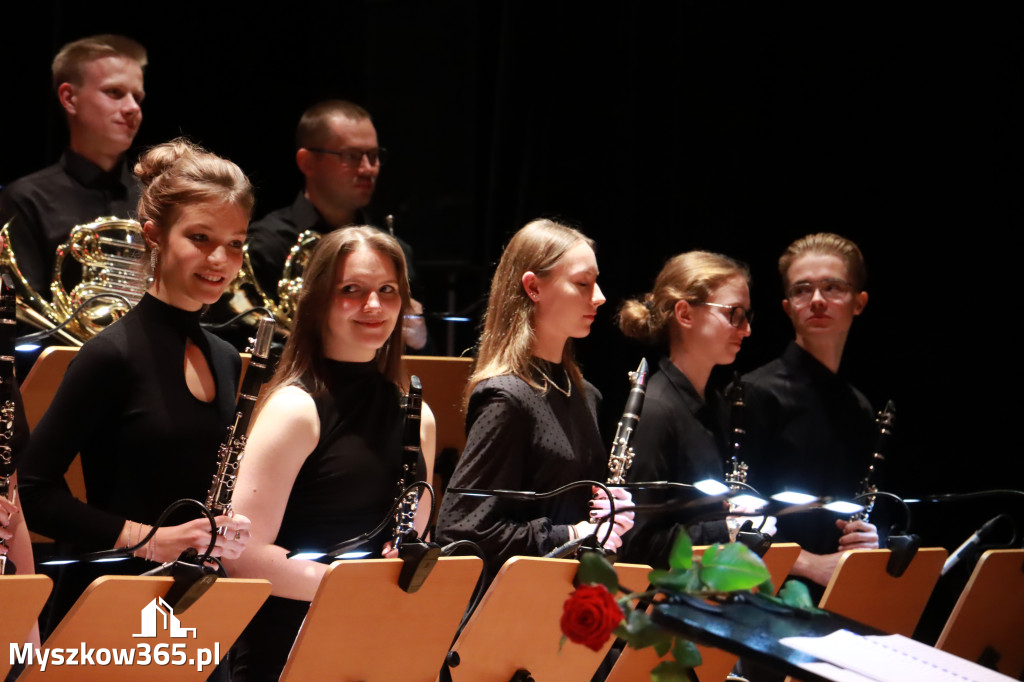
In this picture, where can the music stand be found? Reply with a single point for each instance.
(861, 589)
(516, 626)
(23, 597)
(362, 626)
(636, 664)
(444, 383)
(987, 623)
(124, 613)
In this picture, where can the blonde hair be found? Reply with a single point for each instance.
(302, 361)
(691, 277)
(180, 172)
(507, 341)
(67, 65)
(826, 244)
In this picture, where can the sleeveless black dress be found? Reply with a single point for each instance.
(343, 489)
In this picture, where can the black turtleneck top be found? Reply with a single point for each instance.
(144, 438)
(350, 480)
(519, 438)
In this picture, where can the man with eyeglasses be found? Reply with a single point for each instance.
(338, 153)
(808, 429)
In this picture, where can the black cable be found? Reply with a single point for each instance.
(388, 519)
(481, 581)
(236, 318)
(121, 551)
(44, 333)
(906, 509)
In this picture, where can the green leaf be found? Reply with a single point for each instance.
(669, 671)
(681, 556)
(684, 581)
(595, 570)
(767, 588)
(686, 654)
(795, 594)
(661, 647)
(640, 632)
(731, 567)
(561, 643)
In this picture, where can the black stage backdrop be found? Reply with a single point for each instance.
(656, 128)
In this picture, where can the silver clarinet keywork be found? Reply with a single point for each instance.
(218, 499)
(869, 484)
(405, 516)
(8, 307)
(736, 477)
(621, 457)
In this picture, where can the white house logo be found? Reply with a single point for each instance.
(158, 621)
(158, 615)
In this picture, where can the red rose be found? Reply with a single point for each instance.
(589, 616)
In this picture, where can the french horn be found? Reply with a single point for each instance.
(245, 298)
(290, 286)
(113, 257)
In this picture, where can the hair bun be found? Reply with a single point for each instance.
(159, 159)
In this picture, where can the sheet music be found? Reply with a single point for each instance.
(891, 658)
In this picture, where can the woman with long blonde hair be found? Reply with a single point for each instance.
(531, 417)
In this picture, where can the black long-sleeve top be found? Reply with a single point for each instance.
(144, 438)
(44, 206)
(677, 439)
(808, 430)
(523, 439)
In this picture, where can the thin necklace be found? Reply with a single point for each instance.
(551, 382)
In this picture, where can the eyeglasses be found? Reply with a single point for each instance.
(835, 290)
(353, 157)
(737, 313)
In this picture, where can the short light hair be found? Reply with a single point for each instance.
(826, 244)
(314, 126)
(67, 65)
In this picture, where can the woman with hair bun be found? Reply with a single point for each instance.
(147, 401)
(531, 419)
(699, 312)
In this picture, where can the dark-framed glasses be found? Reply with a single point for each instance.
(354, 157)
(832, 289)
(737, 313)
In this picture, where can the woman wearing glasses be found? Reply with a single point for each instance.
(699, 311)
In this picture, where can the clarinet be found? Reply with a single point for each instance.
(405, 516)
(736, 478)
(621, 457)
(218, 499)
(8, 306)
(884, 420)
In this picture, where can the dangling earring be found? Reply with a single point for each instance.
(154, 261)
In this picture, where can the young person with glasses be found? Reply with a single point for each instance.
(807, 428)
(699, 312)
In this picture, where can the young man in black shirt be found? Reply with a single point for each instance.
(807, 428)
(98, 82)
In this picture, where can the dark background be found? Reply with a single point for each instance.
(655, 128)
